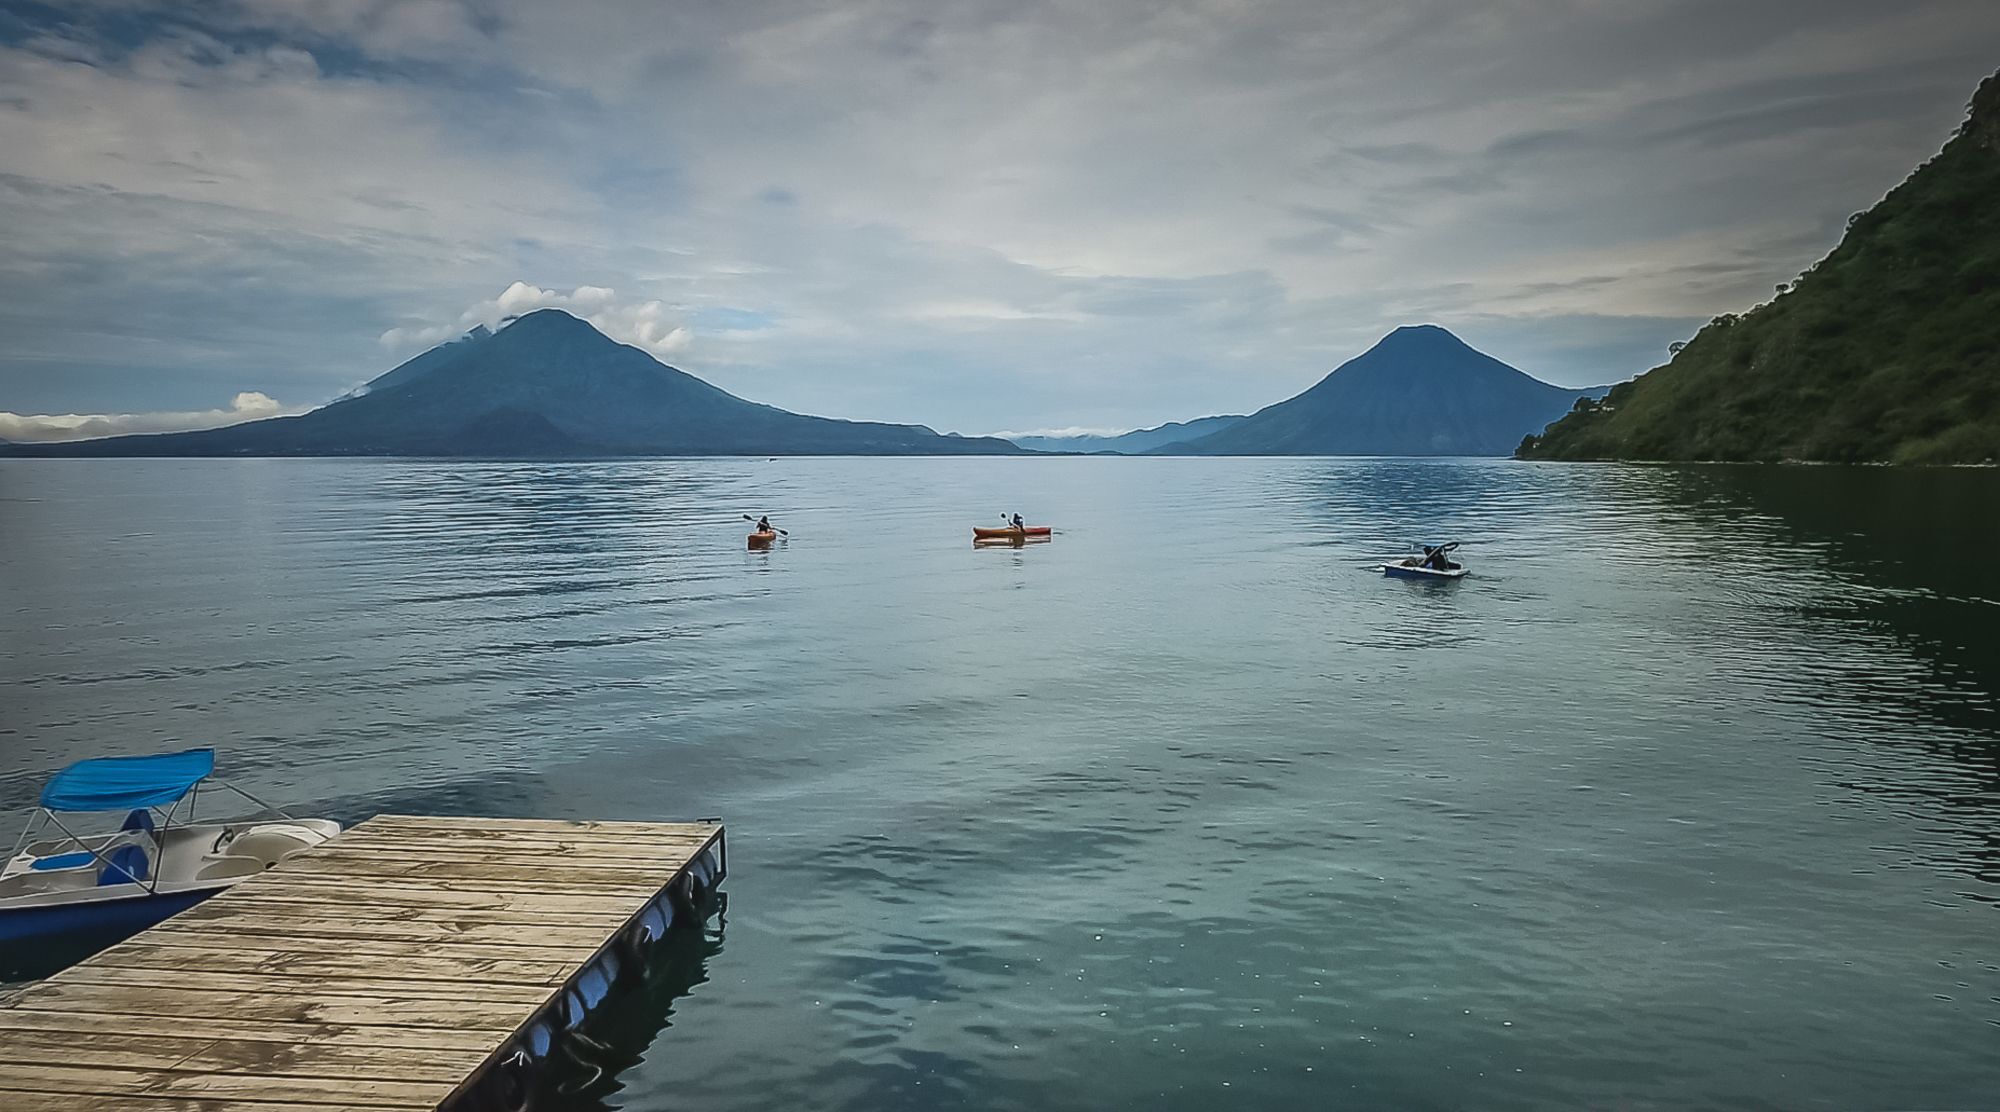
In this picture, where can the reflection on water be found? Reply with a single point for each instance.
(1686, 797)
(1895, 558)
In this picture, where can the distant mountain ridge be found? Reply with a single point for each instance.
(1885, 351)
(548, 384)
(1420, 391)
(1130, 443)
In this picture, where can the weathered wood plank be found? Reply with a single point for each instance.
(337, 1092)
(536, 871)
(624, 828)
(648, 834)
(396, 1011)
(472, 924)
(278, 985)
(416, 961)
(548, 947)
(446, 890)
(21, 1100)
(401, 905)
(185, 1053)
(420, 1040)
(527, 857)
(390, 841)
(523, 905)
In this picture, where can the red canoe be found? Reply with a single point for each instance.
(1009, 532)
(762, 540)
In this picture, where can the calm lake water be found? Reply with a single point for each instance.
(1689, 797)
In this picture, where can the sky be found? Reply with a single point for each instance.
(979, 216)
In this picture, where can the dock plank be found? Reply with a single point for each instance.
(539, 872)
(324, 1091)
(452, 891)
(203, 1002)
(171, 947)
(315, 987)
(331, 1035)
(381, 901)
(24, 1100)
(155, 1051)
(420, 961)
(498, 926)
(380, 972)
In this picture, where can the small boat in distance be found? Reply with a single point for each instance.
(1009, 533)
(158, 862)
(764, 533)
(1435, 563)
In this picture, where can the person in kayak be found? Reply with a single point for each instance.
(1018, 525)
(1436, 558)
(764, 524)
(1432, 558)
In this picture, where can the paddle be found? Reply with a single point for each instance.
(774, 528)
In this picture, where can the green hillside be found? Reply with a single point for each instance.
(1888, 350)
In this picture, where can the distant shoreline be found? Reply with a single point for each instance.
(6, 455)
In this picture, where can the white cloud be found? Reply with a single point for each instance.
(1062, 433)
(51, 428)
(977, 311)
(651, 325)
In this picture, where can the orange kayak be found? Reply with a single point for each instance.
(762, 540)
(1008, 532)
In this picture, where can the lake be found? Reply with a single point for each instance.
(1688, 797)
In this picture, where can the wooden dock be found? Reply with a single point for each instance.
(387, 969)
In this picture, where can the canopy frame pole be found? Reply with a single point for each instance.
(21, 842)
(166, 824)
(152, 882)
(278, 811)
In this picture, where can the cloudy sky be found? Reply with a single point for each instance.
(976, 215)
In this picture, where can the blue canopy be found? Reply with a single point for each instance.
(123, 783)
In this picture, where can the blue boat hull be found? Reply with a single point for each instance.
(132, 914)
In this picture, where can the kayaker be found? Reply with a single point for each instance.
(1019, 525)
(1438, 558)
(764, 524)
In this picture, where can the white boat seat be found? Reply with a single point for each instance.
(273, 842)
(126, 864)
(66, 872)
(229, 867)
(125, 859)
(21, 884)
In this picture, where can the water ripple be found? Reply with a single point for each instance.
(1689, 797)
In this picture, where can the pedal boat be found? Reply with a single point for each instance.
(1435, 564)
(159, 861)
